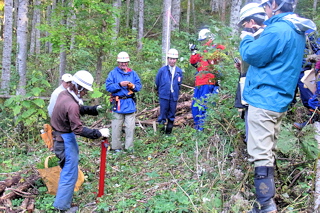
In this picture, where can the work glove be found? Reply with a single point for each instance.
(100, 109)
(104, 132)
(131, 86)
(245, 33)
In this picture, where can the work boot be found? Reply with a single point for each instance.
(265, 190)
(300, 125)
(169, 127)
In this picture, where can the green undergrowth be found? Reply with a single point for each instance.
(188, 171)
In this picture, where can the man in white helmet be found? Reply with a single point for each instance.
(168, 82)
(205, 82)
(251, 18)
(275, 63)
(66, 123)
(123, 82)
(66, 81)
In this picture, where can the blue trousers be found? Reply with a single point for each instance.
(68, 174)
(199, 110)
(167, 110)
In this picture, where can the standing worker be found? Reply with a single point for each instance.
(205, 82)
(251, 18)
(66, 123)
(66, 81)
(168, 82)
(275, 62)
(123, 82)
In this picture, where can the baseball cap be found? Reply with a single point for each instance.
(67, 77)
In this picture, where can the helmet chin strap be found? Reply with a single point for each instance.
(279, 7)
(79, 90)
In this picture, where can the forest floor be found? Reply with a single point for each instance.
(187, 171)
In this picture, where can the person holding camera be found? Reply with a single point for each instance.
(251, 19)
(275, 62)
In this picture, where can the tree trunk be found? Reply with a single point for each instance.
(128, 14)
(50, 8)
(63, 62)
(223, 11)
(7, 47)
(166, 29)
(135, 15)
(141, 24)
(214, 4)
(188, 15)
(234, 17)
(71, 25)
(315, 2)
(193, 13)
(35, 32)
(38, 22)
(176, 11)
(22, 38)
(63, 54)
(116, 4)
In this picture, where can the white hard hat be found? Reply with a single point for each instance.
(67, 77)
(123, 57)
(283, 1)
(263, 2)
(204, 34)
(172, 53)
(84, 79)
(249, 10)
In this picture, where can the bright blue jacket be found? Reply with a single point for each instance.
(163, 83)
(275, 61)
(117, 75)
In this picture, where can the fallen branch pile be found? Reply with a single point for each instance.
(18, 186)
(183, 113)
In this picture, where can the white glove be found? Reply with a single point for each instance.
(244, 33)
(105, 132)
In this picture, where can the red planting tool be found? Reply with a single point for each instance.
(104, 147)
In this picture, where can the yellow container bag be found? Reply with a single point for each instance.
(51, 176)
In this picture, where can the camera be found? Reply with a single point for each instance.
(250, 30)
(236, 60)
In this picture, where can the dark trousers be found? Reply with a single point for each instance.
(167, 109)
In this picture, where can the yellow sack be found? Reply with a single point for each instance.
(51, 177)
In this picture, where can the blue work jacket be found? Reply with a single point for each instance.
(275, 61)
(126, 104)
(163, 82)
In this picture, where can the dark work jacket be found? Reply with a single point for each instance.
(66, 116)
(163, 82)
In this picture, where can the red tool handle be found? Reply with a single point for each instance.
(103, 157)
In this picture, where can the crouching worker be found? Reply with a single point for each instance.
(65, 121)
(168, 82)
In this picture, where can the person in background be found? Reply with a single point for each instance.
(168, 82)
(205, 82)
(66, 81)
(312, 50)
(66, 123)
(275, 62)
(123, 82)
(251, 18)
